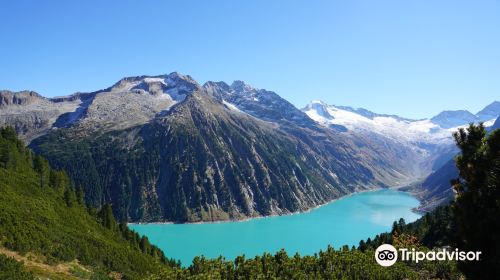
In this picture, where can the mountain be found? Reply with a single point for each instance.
(394, 127)
(164, 148)
(130, 102)
(430, 139)
(46, 225)
(260, 103)
(426, 144)
(33, 115)
(496, 125)
(450, 119)
(422, 145)
(491, 111)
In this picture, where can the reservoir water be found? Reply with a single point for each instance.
(342, 222)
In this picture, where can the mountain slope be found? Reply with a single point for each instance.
(489, 112)
(31, 114)
(42, 217)
(388, 164)
(436, 189)
(496, 125)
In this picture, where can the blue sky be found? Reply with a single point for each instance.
(412, 58)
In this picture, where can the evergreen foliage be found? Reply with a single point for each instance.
(477, 206)
(40, 213)
(10, 269)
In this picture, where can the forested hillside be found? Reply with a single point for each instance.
(44, 219)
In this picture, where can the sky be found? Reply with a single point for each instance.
(411, 58)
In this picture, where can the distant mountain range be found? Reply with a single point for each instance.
(430, 141)
(165, 148)
(450, 119)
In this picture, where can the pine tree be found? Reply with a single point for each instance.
(41, 166)
(80, 196)
(477, 205)
(145, 245)
(107, 218)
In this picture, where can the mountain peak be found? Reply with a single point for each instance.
(453, 118)
(176, 76)
(169, 80)
(220, 84)
(241, 86)
(490, 112)
(320, 108)
(317, 101)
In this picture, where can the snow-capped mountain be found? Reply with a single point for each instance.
(396, 128)
(260, 103)
(451, 119)
(430, 139)
(437, 129)
(129, 102)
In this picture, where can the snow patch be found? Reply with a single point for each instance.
(155, 80)
(231, 106)
(490, 122)
(398, 129)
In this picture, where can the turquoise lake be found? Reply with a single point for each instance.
(342, 222)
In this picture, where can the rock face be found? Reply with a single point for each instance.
(31, 114)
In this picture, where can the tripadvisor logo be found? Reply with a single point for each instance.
(387, 255)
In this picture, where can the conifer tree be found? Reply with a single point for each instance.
(107, 218)
(477, 205)
(41, 166)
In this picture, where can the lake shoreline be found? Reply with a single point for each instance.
(352, 218)
(415, 210)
